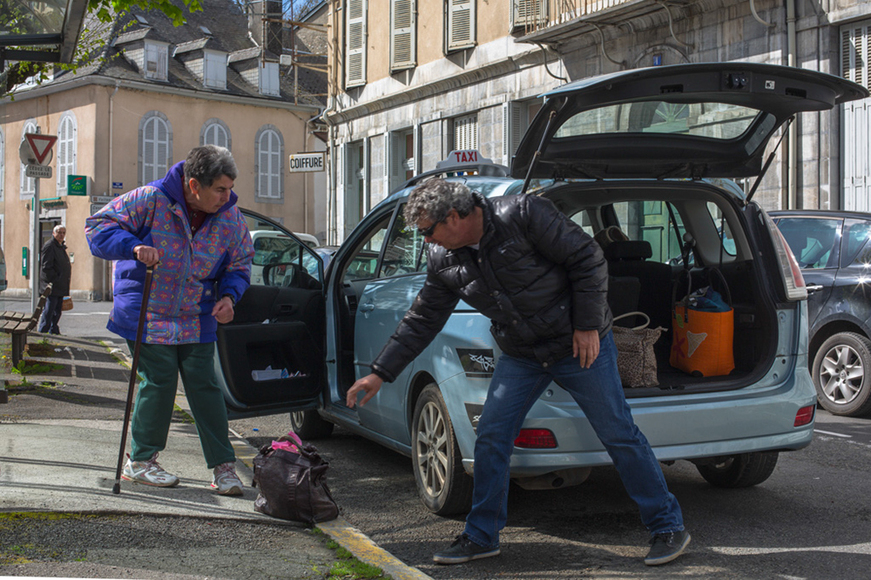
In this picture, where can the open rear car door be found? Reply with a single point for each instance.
(271, 357)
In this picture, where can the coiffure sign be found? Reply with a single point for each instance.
(306, 162)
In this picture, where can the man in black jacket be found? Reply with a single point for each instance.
(543, 283)
(55, 270)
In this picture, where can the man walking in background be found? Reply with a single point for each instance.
(55, 269)
(189, 223)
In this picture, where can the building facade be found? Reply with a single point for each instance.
(159, 91)
(412, 80)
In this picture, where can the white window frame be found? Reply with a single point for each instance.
(67, 132)
(157, 165)
(215, 69)
(461, 31)
(269, 164)
(215, 128)
(27, 185)
(269, 84)
(403, 35)
(156, 60)
(464, 132)
(356, 30)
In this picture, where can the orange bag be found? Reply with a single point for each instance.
(702, 340)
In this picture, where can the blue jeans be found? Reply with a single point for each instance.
(51, 314)
(516, 385)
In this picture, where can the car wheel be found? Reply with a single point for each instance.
(841, 369)
(442, 483)
(743, 470)
(310, 425)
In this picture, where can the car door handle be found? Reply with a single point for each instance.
(368, 307)
(814, 288)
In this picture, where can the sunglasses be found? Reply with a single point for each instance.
(427, 232)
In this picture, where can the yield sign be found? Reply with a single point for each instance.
(40, 145)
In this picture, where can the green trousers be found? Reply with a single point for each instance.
(159, 368)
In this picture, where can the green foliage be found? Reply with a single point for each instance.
(25, 367)
(106, 9)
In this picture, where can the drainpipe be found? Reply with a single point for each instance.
(792, 144)
(331, 142)
(106, 263)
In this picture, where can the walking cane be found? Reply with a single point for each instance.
(149, 273)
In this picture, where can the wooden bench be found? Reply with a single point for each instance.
(18, 324)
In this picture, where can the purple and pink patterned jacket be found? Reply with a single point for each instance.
(194, 271)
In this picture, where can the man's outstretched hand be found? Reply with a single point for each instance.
(370, 384)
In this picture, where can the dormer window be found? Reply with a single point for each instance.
(269, 80)
(215, 69)
(156, 57)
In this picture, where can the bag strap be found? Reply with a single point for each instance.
(635, 313)
(722, 279)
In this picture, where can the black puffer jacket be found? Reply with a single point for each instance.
(56, 268)
(536, 274)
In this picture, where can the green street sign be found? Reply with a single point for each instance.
(77, 185)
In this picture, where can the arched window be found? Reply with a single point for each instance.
(155, 146)
(215, 132)
(66, 151)
(269, 146)
(28, 184)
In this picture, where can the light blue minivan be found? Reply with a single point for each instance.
(651, 152)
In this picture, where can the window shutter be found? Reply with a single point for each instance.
(855, 52)
(402, 36)
(512, 130)
(461, 24)
(355, 43)
(528, 12)
(466, 132)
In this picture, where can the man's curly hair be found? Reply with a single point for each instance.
(435, 198)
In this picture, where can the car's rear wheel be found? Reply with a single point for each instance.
(442, 483)
(744, 470)
(310, 425)
(841, 374)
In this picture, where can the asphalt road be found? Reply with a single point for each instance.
(811, 519)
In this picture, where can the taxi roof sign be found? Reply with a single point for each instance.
(460, 158)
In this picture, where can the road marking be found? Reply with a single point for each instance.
(854, 549)
(833, 434)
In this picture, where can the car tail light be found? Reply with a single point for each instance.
(804, 416)
(790, 273)
(536, 439)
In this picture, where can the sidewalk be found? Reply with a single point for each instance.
(59, 443)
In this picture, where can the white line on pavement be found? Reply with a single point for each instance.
(833, 434)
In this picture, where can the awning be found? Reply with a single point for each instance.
(40, 30)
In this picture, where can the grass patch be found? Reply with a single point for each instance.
(348, 567)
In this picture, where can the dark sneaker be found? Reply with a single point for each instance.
(666, 547)
(464, 550)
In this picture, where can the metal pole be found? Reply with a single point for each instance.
(34, 247)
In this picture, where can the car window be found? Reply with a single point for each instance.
(722, 228)
(364, 261)
(403, 250)
(812, 240)
(650, 221)
(856, 236)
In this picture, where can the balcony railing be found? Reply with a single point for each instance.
(557, 20)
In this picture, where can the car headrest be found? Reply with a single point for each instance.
(628, 250)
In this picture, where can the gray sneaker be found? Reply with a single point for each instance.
(666, 547)
(225, 481)
(148, 472)
(464, 550)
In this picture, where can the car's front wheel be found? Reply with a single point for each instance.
(310, 425)
(744, 470)
(841, 374)
(442, 483)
